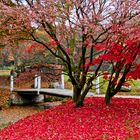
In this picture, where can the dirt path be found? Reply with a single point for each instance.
(15, 113)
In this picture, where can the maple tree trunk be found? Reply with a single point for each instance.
(108, 96)
(80, 102)
(77, 96)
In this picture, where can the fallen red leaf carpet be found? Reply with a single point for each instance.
(94, 121)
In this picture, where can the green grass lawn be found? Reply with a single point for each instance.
(5, 125)
(4, 72)
(135, 84)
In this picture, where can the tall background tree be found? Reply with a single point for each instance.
(82, 34)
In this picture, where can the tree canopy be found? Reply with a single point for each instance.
(82, 34)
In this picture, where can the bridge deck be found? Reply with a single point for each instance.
(49, 91)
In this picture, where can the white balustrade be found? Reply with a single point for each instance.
(38, 84)
(62, 80)
(97, 85)
(11, 83)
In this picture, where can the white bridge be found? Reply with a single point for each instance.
(60, 91)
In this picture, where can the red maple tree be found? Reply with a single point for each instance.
(84, 33)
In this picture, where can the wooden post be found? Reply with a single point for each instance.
(11, 83)
(97, 85)
(35, 81)
(62, 80)
(38, 84)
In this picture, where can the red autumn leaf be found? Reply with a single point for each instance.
(99, 47)
(126, 84)
(94, 120)
(86, 43)
(68, 50)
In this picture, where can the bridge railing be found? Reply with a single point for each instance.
(37, 83)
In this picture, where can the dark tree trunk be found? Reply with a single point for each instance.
(80, 103)
(76, 93)
(108, 96)
(79, 95)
